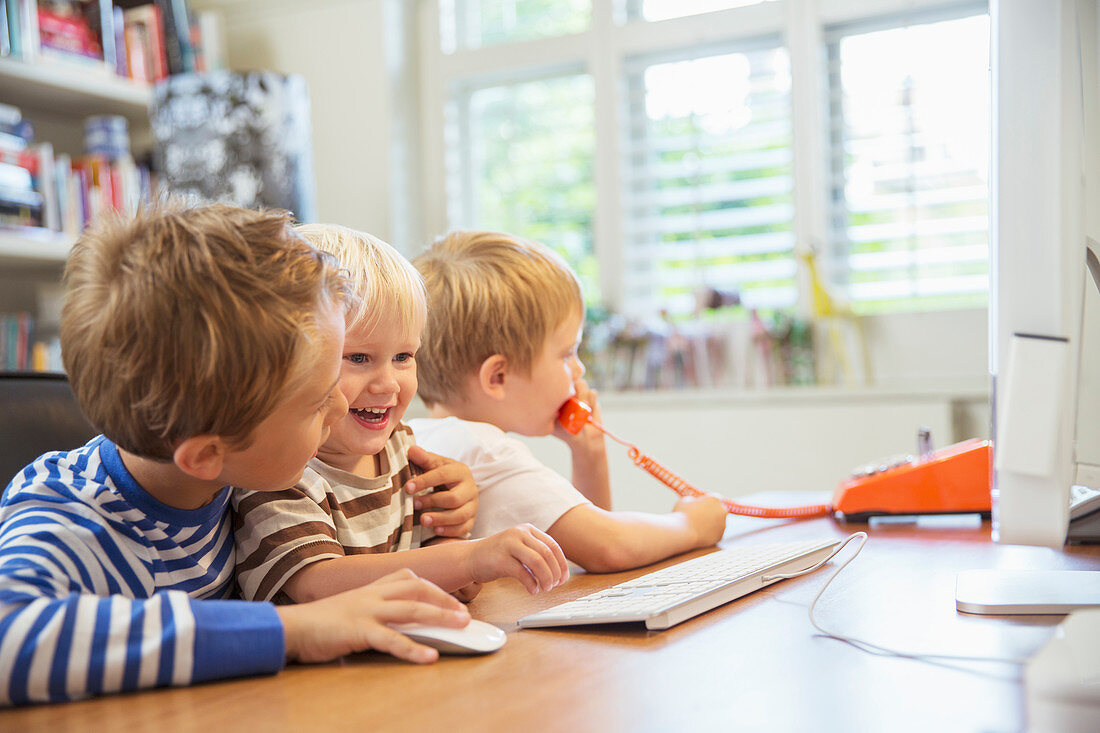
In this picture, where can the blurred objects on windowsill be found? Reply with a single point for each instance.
(725, 342)
(742, 348)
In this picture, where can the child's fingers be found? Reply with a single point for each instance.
(556, 553)
(385, 639)
(448, 473)
(587, 395)
(426, 459)
(418, 612)
(459, 531)
(448, 499)
(516, 569)
(405, 585)
(449, 520)
(539, 562)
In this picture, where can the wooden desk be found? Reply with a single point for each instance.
(753, 664)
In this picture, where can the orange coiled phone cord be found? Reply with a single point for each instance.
(574, 414)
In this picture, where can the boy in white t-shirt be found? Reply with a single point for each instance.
(499, 355)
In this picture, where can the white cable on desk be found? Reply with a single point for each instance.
(860, 643)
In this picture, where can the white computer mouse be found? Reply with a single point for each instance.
(477, 637)
(1063, 678)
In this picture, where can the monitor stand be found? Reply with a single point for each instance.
(1026, 591)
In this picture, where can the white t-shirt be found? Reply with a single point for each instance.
(513, 486)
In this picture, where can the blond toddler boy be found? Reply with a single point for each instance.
(500, 356)
(356, 513)
(205, 345)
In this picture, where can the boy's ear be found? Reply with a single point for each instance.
(491, 375)
(201, 456)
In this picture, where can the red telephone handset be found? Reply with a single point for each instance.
(575, 414)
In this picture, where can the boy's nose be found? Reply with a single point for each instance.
(578, 368)
(384, 383)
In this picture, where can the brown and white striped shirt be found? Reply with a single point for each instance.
(329, 513)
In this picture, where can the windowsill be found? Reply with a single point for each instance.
(974, 389)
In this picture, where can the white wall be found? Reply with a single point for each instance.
(339, 47)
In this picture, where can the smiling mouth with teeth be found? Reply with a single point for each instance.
(371, 414)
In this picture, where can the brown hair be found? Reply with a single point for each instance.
(488, 293)
(181, 322)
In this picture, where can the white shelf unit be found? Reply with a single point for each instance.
(72, 90)
(32, 248)
(56, 97)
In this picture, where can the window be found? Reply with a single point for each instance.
(668, 145)
(521, 162)
(476, 23)
(708, 199)
(910, 156)
(665, 9)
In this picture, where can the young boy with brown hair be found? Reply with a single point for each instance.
(205, 345)
(352, 517)
(499, 356)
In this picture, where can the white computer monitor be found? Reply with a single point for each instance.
(1044, 305)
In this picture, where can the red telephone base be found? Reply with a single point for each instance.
(954, 480)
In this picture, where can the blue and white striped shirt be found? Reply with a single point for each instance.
(104, 589)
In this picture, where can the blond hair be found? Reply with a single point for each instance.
(181, 322)
(386, 283)
(488, 293)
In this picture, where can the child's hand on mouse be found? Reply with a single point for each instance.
(522, 552)
(706, 516)
(450, 510)
(357, 620)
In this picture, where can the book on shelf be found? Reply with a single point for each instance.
(15, 346)
(21, 202)
(28, 21)
(146, 42)
(176, 16)
(164, 37)
(143, 35)
(23, 349)
(13, 26)
(56, 192)
(66, 31)
(5, 38)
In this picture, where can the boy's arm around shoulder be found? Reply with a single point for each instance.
(449, 510)
(602, 542)
(68, 630)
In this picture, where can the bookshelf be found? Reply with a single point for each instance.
(76, 89)
(63, 95)
(57, 96)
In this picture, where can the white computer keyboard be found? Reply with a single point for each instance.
(666, 597)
